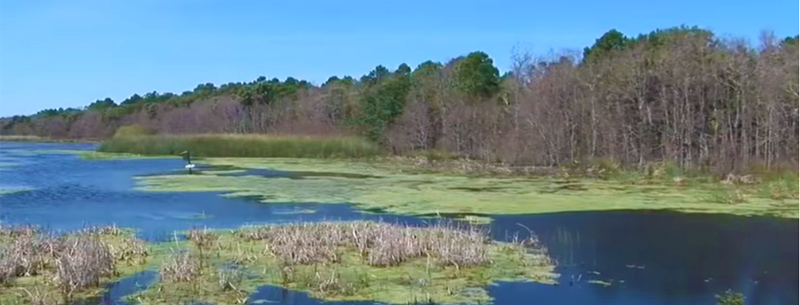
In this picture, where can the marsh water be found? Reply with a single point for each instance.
(646, 257)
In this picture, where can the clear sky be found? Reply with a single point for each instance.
(71, 53)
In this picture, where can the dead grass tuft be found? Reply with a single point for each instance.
(82, 262)
(181, 267)
(64, 266)
(379, 244)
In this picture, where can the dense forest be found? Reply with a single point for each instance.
(680, 94)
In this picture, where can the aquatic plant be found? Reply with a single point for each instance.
(39, 268)
(234, 145)
(393, 263)
(380, 244)
(381, 186)
(730, 298)
(181, 267)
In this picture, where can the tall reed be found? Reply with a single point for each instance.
(233, 145)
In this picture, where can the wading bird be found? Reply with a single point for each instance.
(188, 157)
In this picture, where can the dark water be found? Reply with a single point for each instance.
(649, 258)
(662, 258)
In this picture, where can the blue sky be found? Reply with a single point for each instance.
(71, 53)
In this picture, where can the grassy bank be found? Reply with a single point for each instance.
(231, 145)
(384, 186)
(442, 263)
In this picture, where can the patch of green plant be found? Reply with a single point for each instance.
(780, 189)
(231, 145)
(132, 130)
(730, 298)
(96, 155)
(379, 186)
(729, 195)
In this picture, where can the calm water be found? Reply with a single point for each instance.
(650, 258)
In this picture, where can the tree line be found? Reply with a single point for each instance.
(680, 94)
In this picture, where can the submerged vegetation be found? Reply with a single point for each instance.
(384, 186)
(730, 297)
(443, 263)
(233, 145)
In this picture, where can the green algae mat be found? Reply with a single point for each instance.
(378, 186)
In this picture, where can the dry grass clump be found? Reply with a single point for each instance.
(335, 285)
(229, 278)
(15, 231)
(305, 243)
(132, 250)
(203, 239)
(112, 230)
(359, 260)
(82, 262)
(63, 266)
(181, 267)
(379, 244)
(27, 254)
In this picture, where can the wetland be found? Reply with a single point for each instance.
(308, 231)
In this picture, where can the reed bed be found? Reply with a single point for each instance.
(393, 263)
(379, 244)
(443, 262)
(39, 268)
(240, 145)
(361, 260)
(180, 267)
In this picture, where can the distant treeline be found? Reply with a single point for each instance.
(679, 94)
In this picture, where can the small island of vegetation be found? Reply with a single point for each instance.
(443, 263)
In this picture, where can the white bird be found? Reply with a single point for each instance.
(189, 166)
